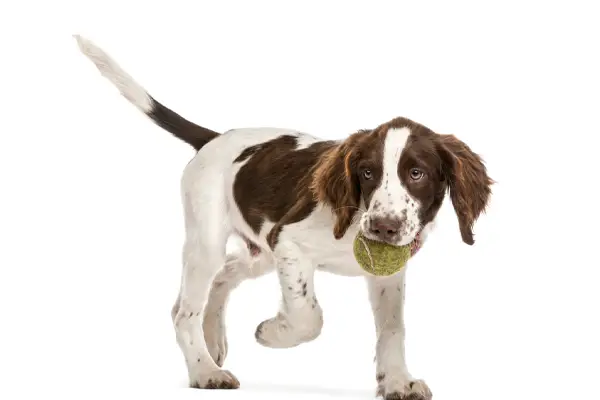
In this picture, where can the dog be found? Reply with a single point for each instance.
(298, 202)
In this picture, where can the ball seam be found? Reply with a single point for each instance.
(368, 251)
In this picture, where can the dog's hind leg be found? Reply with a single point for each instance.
(235, 271)
(207, 230)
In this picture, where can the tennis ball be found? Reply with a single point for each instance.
(380, 258)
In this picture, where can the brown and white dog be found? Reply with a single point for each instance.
(298, 202)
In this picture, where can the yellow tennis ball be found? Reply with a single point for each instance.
(380, 258)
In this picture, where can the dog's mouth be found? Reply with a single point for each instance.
(395, 241)
(415, 243)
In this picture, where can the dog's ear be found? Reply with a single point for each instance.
(335, 183)
(469, 184)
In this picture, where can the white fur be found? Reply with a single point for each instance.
(235, 271)
(115, 74)
(208, 276)
(300, 318)
(387, 301)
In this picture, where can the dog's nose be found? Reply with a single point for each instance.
(385, 228)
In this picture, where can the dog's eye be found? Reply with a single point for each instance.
(416, 174)
(368, 174)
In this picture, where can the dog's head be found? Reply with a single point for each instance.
(398, 175)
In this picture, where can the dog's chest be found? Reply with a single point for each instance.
(314, 236)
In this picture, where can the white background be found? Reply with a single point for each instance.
(91, 224)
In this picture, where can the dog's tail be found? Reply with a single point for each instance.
(193, 134)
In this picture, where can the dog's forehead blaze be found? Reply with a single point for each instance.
(394, 145)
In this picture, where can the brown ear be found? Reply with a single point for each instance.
(470, 186)
(335, 183)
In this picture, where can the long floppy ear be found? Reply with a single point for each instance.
(335, 183)
(470, 186)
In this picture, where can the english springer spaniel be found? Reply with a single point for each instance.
(298, 202)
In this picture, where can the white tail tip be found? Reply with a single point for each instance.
(128, 87)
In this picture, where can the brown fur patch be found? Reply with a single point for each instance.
(273, 185)
(470, 186)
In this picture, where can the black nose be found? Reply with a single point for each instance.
(385, 228)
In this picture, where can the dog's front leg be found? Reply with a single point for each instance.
(393, 379)
(300, 317)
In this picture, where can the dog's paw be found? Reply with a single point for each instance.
(276, 333)
(279, 333)
(218, 379)
(402, 389)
